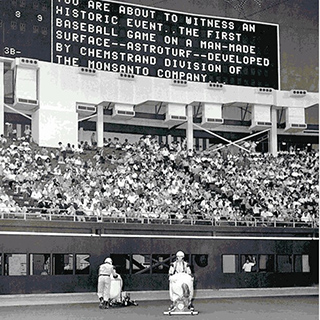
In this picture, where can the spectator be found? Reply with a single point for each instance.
(247, 266)
(93, 140)
(27, 133)
(3, 140)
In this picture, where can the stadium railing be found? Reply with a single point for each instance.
(36, 214)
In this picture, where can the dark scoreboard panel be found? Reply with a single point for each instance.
(25, 27)
(119, 37)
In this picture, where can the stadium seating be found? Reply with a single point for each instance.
(147, 182)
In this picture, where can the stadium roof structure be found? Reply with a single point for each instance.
(297, 74)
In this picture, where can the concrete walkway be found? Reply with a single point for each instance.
(91, 297)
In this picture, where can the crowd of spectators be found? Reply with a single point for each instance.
(149, 180)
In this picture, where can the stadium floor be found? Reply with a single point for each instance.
(227, 304)
(91, 297)
(262, 308)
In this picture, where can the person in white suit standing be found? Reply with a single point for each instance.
(106, 270)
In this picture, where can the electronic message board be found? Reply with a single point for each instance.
(120, 37)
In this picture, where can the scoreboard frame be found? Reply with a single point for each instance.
(220, 59)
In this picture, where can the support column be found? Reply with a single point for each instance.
(205, 143)
(80, 134)
(273, 134)
(19, 131)
(189, 133)
(1, 97)
(99, 126)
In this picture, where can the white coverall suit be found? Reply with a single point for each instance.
(175, 288)
(106, 270)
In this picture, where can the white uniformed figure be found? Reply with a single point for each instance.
(181, 282)
(106, 270)
(179, 265)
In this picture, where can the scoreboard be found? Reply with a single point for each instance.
(25, 27)
(119, 37)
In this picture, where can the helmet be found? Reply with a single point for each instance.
(108, 260)
(180, 254)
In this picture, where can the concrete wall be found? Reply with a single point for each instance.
(61, 87)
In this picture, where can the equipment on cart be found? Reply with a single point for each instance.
(119, 298)
(181, 294)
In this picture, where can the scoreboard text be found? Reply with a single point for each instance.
(118, 37)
